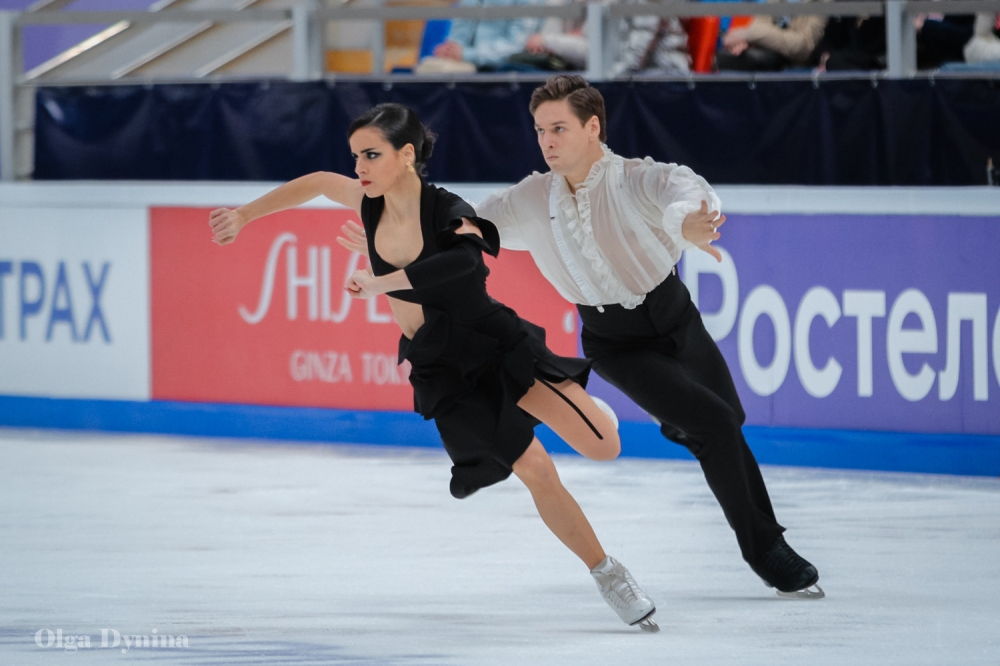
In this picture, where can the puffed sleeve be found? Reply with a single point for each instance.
(498, 209)
(460, 254)
(516, 209)
(449, 218)
(674, 191)
(458, 260)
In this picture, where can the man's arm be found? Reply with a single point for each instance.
(678, 193)
(499, 209)
(495, 208)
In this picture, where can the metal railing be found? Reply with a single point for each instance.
(308, 41)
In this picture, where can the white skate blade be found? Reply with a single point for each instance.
(647, 623)
(807, 593)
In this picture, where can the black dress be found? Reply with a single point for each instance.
(473, 358)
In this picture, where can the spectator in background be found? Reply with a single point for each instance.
(487, 44)
(771, 44)
(651, 44)
(514, 44)
(562, 39)
(940, 38)
(985, 43)
(853, 43)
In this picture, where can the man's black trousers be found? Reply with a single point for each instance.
(660, 355)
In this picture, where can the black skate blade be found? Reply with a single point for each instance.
(806, 593)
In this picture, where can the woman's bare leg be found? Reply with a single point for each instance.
(545, 405)
(558, 509)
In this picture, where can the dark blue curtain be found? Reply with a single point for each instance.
(848, 132)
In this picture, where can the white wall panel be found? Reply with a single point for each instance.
(65, 331)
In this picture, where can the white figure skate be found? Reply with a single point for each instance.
(606, 408)
(622, 593)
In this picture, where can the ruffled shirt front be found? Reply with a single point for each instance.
(613, 241)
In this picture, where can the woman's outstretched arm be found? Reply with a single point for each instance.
(227, 222)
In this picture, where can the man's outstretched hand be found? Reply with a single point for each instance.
(700, 229)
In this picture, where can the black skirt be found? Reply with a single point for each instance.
(469, 375)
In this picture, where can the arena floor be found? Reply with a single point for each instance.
(263, 553)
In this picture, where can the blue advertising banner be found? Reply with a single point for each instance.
(856, 321)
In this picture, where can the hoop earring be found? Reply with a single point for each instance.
(410, 167)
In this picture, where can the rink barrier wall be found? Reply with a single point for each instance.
(118, 311)
(967, 455)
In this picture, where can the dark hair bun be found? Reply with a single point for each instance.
(399, 125)
(427, 148)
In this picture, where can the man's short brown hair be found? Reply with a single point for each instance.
(586, 102)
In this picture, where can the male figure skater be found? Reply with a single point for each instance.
(607, 232)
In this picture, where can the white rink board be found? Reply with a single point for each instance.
(46, 348)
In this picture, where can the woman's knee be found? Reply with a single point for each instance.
(607, 447)
(535, 468)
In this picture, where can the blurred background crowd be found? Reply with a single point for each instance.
(667, 45)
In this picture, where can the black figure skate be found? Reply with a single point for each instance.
(789, 573)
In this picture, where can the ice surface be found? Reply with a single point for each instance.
(314, 554)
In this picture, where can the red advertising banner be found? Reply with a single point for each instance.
(266, 320)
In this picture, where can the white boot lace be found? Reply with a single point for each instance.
(623, 594)
(621, 583)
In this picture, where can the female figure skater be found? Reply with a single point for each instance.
(483, 374)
